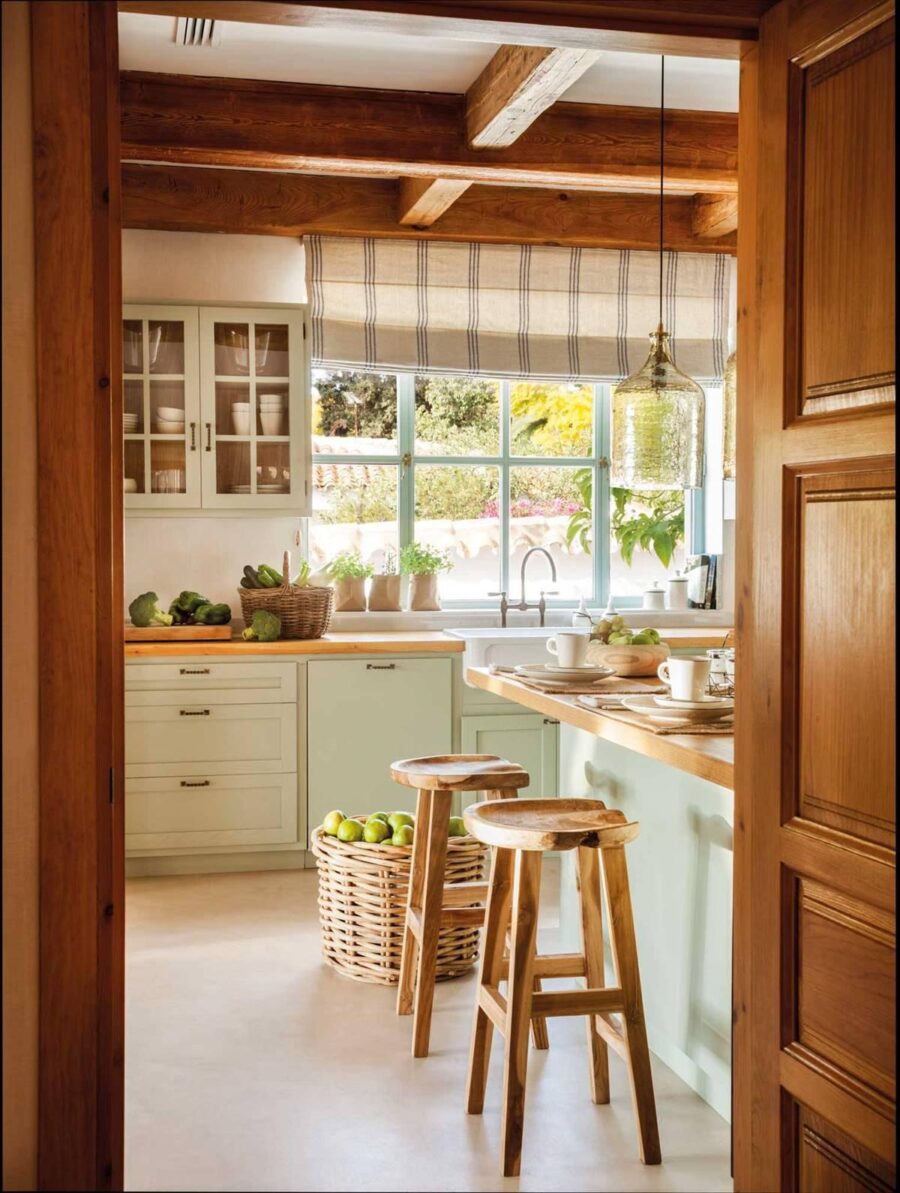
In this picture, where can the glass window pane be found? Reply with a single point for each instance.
(551, 508)
(354, 509)
(457, 416)
(551, 420)
(457, 509)
(354, 413)
(646, 538)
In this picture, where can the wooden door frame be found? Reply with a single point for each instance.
(78, 593)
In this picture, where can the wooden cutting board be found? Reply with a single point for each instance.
(177, 633)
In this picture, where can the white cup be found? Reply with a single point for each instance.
(271, 423)
(687, 676)
(569, 646)
(241, 421)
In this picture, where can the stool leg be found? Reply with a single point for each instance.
(592, 947)
(526, 898)
(413, 902)
(625, 959)
(438, 824)
(490, 973)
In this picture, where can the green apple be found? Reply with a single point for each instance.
(332, 822)
(642, 639)
(378, 816)
(350, 830)
(403, 835)
(399, 820)
(457, 827)
(376, 830)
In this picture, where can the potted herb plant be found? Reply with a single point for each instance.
(348, 573)
(384, 591)
(422, 564)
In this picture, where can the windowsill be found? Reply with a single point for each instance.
(451, 619)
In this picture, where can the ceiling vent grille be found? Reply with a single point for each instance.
(195, 31)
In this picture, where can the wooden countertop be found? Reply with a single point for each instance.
(401, 642)
(709, 758)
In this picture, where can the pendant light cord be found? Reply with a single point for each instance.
(662, 150)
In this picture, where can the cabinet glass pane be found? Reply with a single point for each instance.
(133, 412)
(132, 346)
(167, 468)
(133, 466)
(233, 467)
(272, 350)
(165, 340)
(272, 409)
(167, 407)
(232, 349)
(233, 408)
(354, 509)
(273, 468)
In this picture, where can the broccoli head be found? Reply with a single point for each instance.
(212, 614)
(265, 627)
(184, 605)
(144, 611)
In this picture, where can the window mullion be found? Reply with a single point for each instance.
(504, 487)
(601, 494)
(406, 424)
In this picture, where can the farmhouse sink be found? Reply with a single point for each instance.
(508, 648)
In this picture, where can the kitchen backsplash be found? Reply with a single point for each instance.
(165, 555)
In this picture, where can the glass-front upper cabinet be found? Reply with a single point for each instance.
(254, 409)
(216, 409)
(161, 416)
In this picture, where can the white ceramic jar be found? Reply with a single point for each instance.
(654, 598)
(677, 592)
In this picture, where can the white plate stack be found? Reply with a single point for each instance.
(130, 423)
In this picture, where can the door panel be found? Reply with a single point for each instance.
(531, 741)
(815, 761)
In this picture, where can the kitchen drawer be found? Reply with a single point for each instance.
(220, 683)
(210, 812)
(197, 737)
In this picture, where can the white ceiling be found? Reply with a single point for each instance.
(343, 58)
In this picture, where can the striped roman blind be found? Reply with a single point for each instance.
(512, 310)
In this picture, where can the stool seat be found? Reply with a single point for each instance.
(542, 824)
(459, 772)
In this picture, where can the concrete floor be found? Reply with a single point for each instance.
(250, 1065)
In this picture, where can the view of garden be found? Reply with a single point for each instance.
(459, 472)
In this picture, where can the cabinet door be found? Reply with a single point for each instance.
(529, 740)
(161, 417)
(255, 409)
(197, 737)
(210, 812)
(363, 715)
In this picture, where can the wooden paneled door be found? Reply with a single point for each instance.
(815, 814)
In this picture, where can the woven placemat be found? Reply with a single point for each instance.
(612, 686)
(722, 728)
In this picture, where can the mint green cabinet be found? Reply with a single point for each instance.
(365, 713)
(528, 739)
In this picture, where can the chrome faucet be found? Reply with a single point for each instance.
(523, 605)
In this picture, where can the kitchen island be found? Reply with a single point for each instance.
(679, 787)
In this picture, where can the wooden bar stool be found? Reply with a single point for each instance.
(520, 832)
(431, 904)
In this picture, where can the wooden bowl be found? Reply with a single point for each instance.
(635, 662)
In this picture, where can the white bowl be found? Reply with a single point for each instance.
(629, 661)
(172, 414)
(130, 485)
(271, 423)
(272, 398)
(164, 427)
(239, 406)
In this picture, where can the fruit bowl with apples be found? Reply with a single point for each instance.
(632, 654)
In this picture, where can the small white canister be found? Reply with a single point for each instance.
(654, 598)
(677, 592)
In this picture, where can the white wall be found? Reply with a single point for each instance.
(163, 554)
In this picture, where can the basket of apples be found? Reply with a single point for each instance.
(630, 653)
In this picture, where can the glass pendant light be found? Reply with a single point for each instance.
(729, 403)
(658, 412)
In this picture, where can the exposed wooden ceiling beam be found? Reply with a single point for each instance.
(714, 216)
(424, 200)
(713, 30)
(332, 130)
(253, 201)
(516, 86)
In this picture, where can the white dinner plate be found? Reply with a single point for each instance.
(563, 675)
(725, 702)
(646, 706)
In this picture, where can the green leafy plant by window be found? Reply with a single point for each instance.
(645, 521)
(419, 559)
(349, 566)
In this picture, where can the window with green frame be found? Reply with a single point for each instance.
(487, 469)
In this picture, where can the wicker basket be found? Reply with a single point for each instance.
(305, 612)
(362, 906)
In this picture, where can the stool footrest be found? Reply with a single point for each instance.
(560, 965)
(611, 1035)
(493, 1004)
(458, 917)
(458, 894)
(578, 1002)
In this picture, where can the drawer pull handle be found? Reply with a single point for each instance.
(199, 783)
(193, 671)
(193, 712)
(550, 721)
(380, 666)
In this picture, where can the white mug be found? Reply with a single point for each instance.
(688, 677)
(569, 646)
